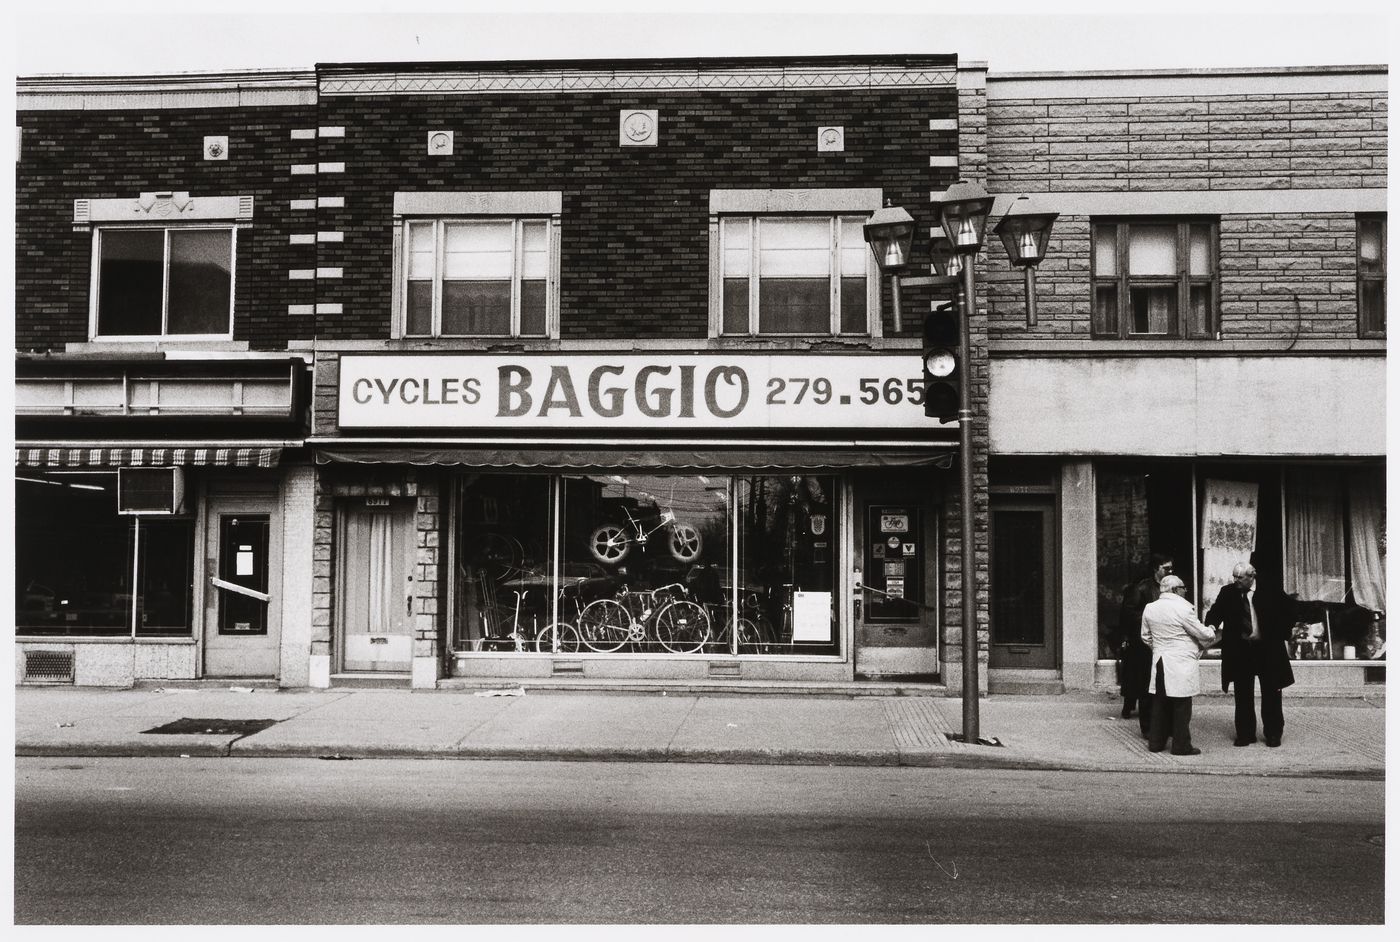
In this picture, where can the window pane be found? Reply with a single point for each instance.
(534, 262)
(1200, 323)
(853, 313)
(532, 308)
(422, 250)
(167, 565)
(1151, 250)
(73, 555)
(201, 281)
(479, 250)
(1105, 251)
(794, 306)
(1370, 246)
(787, 544)
(794, 247)
(1314, 534)
(1200, 251)
(636, 543)
(130, 282)
(736, 305)
(418, 321)
(1154, 309)
(475, 308)
(855, 254)
(1106, 309)
(737, 261)
(503, 533)
(1373, 307)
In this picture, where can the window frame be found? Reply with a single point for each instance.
(1367, 330)
(439, 227)
(95, 285)
(446, 206)
(835, 224)
(1123, 282)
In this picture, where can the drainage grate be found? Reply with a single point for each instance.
(187, 726)
(723, 669)
(48, 667)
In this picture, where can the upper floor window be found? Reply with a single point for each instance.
(1370, 275)
(164, 282)
(477, 264)
(1155, 279)
(795, 275)
(476, 277)
(792, 263)
(163, 264)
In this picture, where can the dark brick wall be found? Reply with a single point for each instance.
(68, 155)
(634, 229)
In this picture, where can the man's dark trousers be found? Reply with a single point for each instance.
(1173, 712)
(1270, 701)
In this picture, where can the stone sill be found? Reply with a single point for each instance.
(98, 639)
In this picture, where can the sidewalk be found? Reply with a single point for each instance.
(1067, 731)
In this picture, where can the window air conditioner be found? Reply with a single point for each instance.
(150, 490)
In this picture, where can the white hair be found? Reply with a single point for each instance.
(1241, 569)
(1171, 583)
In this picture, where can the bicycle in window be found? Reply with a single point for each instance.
(665, 615)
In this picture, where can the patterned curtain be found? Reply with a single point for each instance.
(1229, 526)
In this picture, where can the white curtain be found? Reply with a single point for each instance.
(382, 596)
(1367, 519)
(1314, 541)
(1229, 527)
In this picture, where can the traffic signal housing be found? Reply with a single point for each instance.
(942, 371)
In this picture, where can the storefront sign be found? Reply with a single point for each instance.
(696, 391)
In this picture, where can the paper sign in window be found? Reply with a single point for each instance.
(811, 616)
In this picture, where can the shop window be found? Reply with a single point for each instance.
(477, 278)
(1370, 274)
(1316, 533)
(1154, 279)
(643, 563)
(82, 569)
(164, 282)
(794, 275)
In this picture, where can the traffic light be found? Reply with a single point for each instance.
(942, 371)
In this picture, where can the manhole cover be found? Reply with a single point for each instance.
(188, 726)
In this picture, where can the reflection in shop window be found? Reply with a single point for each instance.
(74, 567)
(642, 563)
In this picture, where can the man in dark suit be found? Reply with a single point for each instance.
(1256, 627)
(1134, 656)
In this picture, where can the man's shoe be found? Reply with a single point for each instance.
(1152, 748)
(1244, 741)
(1274, 741)
(1127, 712)
(1193, 751)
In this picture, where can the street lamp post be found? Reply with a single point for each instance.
(963, 213)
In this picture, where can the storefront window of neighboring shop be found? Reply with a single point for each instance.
(644, 564)
(74, 571)
(1316, 533)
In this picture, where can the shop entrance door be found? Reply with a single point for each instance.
(242, 608)
(895, 550)
(376, 587)
(1023, 596)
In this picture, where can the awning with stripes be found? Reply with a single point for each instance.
(146, 456)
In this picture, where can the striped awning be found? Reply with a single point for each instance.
(146, 456)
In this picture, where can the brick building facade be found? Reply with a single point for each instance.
(637, 266)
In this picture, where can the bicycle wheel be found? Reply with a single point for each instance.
(604, 625)
(558, 638)
(609, 544)
(682, 627)
(686, 542)
(755, 637)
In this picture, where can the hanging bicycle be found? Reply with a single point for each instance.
(612, 542)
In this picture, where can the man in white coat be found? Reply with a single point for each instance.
(1177, 638)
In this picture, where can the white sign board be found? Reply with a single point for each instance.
(602, 391)
(811, 616)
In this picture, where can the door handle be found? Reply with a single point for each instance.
(408, 605)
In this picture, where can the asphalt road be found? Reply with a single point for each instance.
(176, 841)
